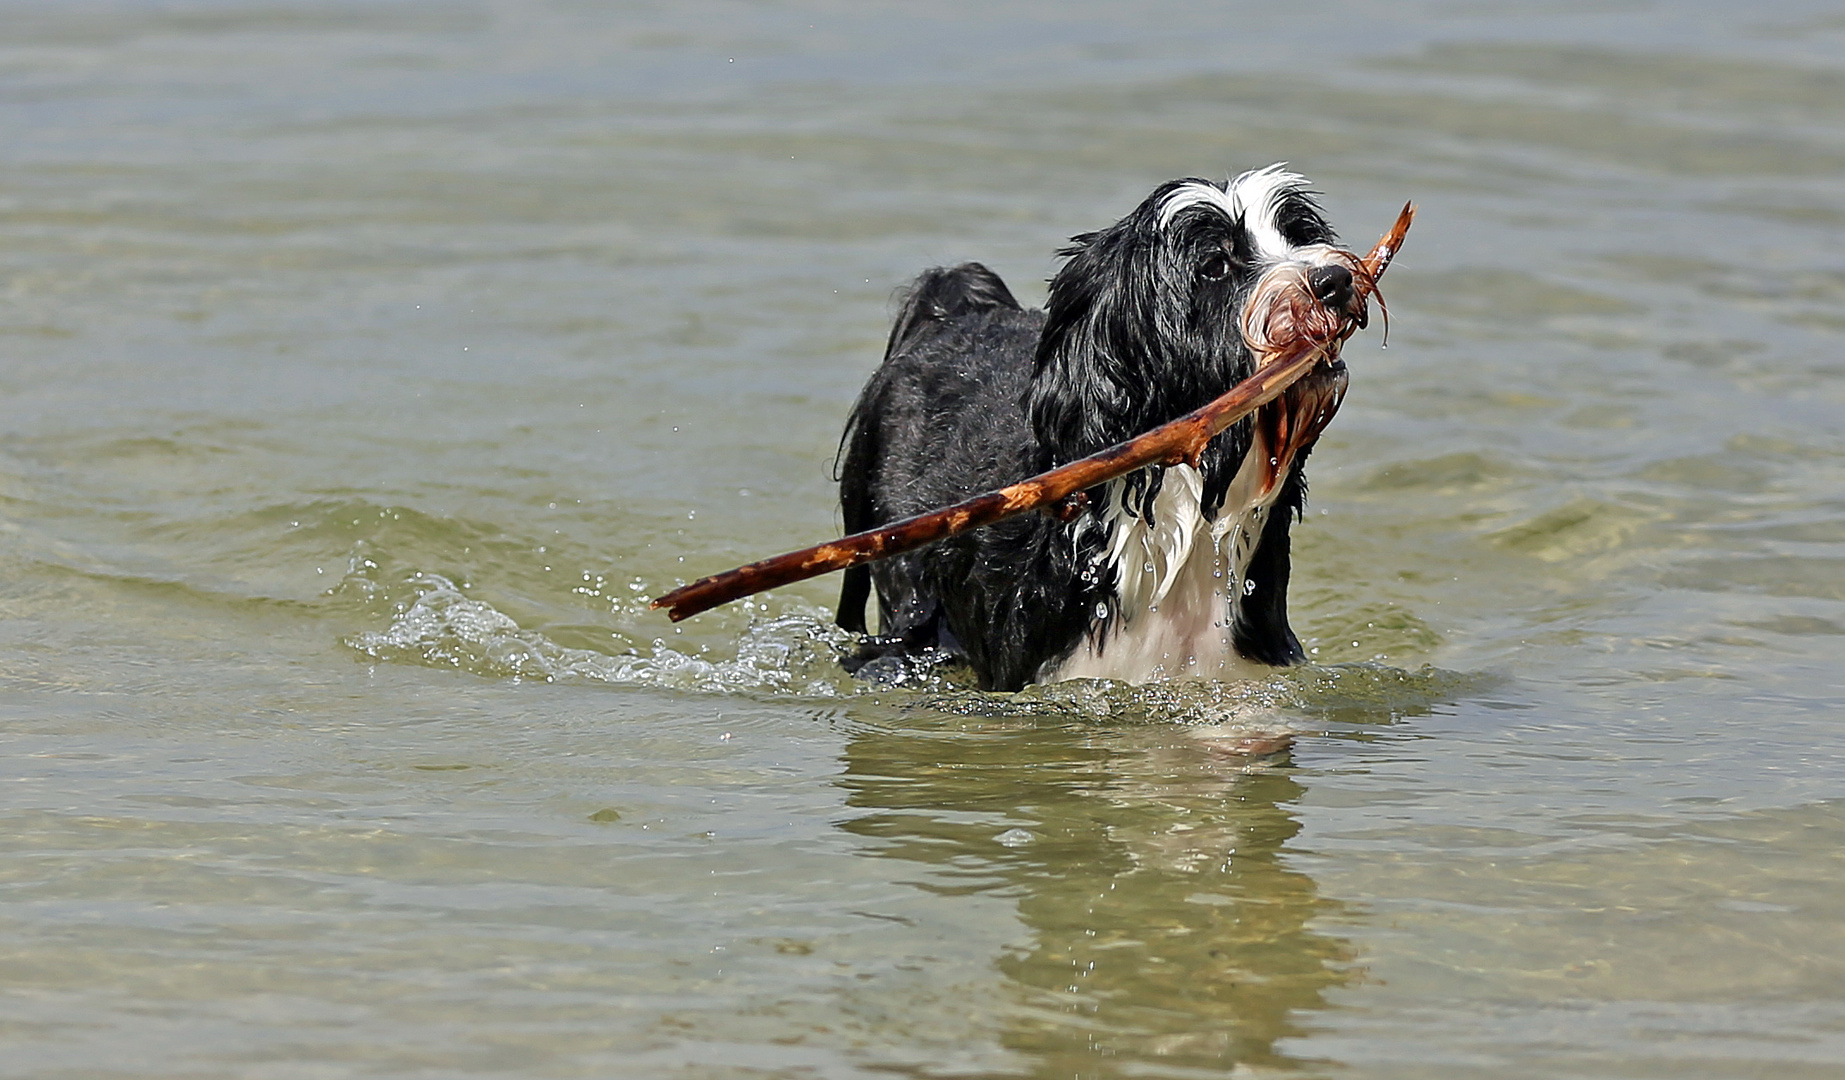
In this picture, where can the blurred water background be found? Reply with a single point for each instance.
(364, 366)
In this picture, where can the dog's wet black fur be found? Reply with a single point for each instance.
(975, 392)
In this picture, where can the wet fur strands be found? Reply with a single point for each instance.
(1168, 571)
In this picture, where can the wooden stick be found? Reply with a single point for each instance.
(1181, 440)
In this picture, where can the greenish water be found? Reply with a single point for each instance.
(365, 367)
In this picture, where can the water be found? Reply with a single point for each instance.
(364, 368)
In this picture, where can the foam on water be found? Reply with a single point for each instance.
(795, 653)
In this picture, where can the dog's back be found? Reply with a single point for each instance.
(943, 419)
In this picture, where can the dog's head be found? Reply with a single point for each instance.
(1182, 299)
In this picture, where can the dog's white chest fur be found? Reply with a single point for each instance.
(1175, 579)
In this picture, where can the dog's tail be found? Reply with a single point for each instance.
(937, 296)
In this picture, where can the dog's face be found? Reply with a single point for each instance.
(1146, 319)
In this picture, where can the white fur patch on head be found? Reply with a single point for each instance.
(1253, 198)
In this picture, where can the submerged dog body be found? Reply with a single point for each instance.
(1180, 570)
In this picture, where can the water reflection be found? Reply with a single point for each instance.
(1166, 931)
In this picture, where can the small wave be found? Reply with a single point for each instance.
(1180, 701)
(1297, 699)
(434, 622)
(796, 652)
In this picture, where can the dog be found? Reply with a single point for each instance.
(1170, 571)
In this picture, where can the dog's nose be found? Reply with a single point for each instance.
(1331, 285)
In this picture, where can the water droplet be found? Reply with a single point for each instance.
(1101, 611)
(1148, 568)
(1249, 586)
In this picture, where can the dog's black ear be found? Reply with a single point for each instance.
(1125, 346)
(1084, 373)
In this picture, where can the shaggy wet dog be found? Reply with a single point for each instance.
(1169, 571)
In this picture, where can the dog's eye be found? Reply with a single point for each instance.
(1215, 267)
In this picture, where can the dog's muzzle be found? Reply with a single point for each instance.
(1333, 286)
(1320, 302)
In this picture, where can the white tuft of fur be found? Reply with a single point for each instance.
(1176, 577)
(1254, 197)
(1148, 556)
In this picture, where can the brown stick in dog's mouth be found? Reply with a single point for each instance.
(1282, 309)
(1293, 337)
(1291, 423)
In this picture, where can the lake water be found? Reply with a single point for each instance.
(365, 366)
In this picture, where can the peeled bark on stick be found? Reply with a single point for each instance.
(1181, 440)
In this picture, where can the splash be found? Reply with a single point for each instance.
(798, 651)
(793, 653)
(431, 620)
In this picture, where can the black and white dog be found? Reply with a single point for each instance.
(1168, 571)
